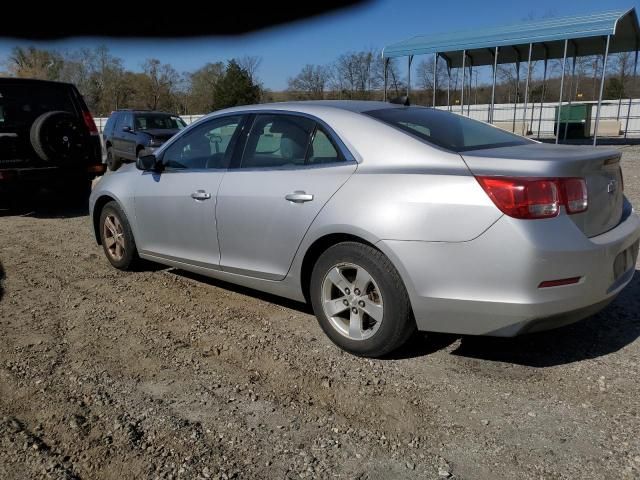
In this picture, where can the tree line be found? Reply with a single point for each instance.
(107, 85)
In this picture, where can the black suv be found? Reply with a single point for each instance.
(129, 132)
(47, 138)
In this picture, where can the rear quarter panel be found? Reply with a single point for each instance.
(403, 189)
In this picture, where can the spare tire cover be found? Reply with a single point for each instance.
(58, 136)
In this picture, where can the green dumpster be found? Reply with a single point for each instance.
(576, 118)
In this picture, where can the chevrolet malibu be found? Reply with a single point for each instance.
(386, 218)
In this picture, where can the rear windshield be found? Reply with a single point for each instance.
(20, 105)
(151, 121)
(447, 130)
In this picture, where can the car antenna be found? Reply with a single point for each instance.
(403, 100)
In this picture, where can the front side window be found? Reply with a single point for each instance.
(128, 120)
(278, 141)
(447, 130)
(206, 146)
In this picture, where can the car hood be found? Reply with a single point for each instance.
(161, 134)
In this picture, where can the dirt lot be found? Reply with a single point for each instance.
(163, 374)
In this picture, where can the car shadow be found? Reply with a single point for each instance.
(267, 297)
(615, 327)
(46, 204)
(421, 344)
(608, 331)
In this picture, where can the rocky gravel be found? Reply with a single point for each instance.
(165, 374)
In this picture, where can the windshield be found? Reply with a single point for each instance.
(447, 130)
(154, 121)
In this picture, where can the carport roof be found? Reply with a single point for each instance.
(586, 35)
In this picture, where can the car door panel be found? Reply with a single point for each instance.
(266, 205)
(171, 222)
(175, 209)
(260, 230)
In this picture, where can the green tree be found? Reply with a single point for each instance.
(235, 87)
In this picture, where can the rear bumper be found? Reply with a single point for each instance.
(489, 286)
(17, 179)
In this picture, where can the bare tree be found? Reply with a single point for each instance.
(161, 80)
(32, 62)
(201, 86)
(357, 74)
(250, 63)
(310, 82)
(425, 74)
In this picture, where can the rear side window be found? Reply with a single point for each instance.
(322, 149)
(20, 105)
(447, 130)
(278, 141)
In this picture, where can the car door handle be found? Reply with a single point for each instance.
(200, 195)
(299, 197)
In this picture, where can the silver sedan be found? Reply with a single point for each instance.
(386, 218)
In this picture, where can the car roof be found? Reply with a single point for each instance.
(311, 106)
(139, 110)
(33, 81)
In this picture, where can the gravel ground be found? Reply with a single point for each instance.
(165, 374)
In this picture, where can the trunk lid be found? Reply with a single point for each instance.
(600, 167)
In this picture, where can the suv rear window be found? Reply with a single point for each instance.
(20, 105)
(447, 130)
(153, 120)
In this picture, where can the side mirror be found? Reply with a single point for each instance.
(147, 162)
(127, 129)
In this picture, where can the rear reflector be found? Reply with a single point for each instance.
(88, 121)
(6, 175)
(96, 168)
(531, 198)
(558, 283)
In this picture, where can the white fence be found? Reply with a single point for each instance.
(611, 110)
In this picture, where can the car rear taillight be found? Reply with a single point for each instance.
(531, 198)
(574, 193)
(88, 121)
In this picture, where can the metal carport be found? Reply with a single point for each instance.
(554, 38)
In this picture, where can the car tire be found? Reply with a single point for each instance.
(113, 162)
(58, 136)
(117, 238)
(369, 283)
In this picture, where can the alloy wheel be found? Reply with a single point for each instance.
(352, 301)
(114, 237)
